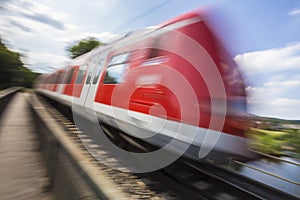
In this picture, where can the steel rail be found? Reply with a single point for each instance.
(268, 173)
(275, 157)
(257, 189)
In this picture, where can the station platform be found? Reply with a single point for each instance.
(22, 173)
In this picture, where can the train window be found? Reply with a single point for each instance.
(118, 59)
(116, 68)
(114, 74)
(60, 77)
(154, 51)
(53, 79)
(80, 75)
(49, 79)
(68, 76)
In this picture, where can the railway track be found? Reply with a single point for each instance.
(183, 179)
(135, 186)
(249, 186)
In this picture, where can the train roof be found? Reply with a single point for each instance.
(135, 34)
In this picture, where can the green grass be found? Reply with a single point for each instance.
(284, 142)
(267, 132)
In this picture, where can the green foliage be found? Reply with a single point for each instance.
(269, 144)
(83, 47)
(12, 70)
(284, 142)
(292, 139)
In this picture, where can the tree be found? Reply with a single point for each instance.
(83, 47)
(12, 70)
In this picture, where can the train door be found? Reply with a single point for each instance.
(69, 80)
(78, 88)
(85, 87)
(94, 72)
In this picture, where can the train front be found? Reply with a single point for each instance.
(212, 97)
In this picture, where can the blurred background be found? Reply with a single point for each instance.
(263, 38)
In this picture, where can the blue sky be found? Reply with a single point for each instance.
(263, 24)
(262, 36)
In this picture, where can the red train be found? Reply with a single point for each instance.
(174, 80)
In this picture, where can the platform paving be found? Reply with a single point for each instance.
(22, 173)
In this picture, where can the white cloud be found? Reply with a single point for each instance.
(277, 93)
(271, 60)
(70, 38)
(264, 103)
(12, 25)
(275, 98)
(45, 62)
(36, 12)
(282, 102)
(42, 30)
(41, 57)
(276, 74)
(288, 83)
(280, 106)
(294, 12)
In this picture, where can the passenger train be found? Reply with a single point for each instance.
(173, 80)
